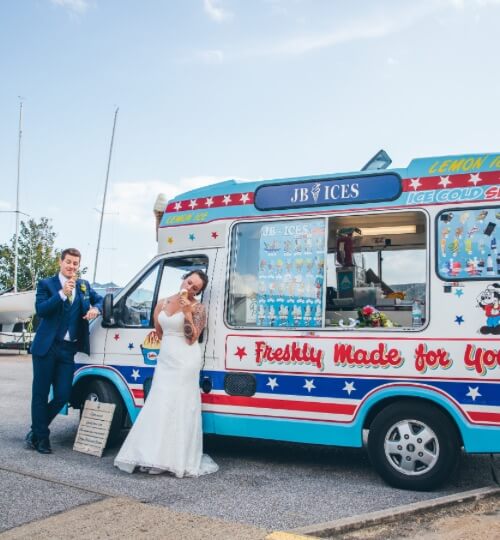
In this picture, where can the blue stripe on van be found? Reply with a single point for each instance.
(488, 393)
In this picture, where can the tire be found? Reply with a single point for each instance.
(413, 445)
(105, 392)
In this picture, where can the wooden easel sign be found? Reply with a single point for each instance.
(94, 428)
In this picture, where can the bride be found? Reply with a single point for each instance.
(167, 435)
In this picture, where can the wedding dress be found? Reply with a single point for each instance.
(167, 434)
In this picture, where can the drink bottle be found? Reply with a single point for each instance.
(416, 314)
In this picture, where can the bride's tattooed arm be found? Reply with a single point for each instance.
(194, 324)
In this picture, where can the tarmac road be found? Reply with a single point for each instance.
(261, 485)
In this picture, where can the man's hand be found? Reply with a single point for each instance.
(69, 286)
(92, 313)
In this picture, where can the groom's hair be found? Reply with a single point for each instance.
(71, 251)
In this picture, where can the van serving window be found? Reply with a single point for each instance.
(352, 272)
(329, 191)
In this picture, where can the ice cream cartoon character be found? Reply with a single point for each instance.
(150, 348)
(489, 302)
(317, 315)
(307, 314)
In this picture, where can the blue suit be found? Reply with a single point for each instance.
(53, 356)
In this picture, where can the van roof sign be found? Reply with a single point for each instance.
(329, 191)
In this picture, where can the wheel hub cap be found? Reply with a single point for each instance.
(411, 447)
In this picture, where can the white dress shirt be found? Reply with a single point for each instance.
(63, 280)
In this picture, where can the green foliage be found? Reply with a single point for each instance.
(37, 257)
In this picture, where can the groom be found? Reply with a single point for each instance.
(65, 305)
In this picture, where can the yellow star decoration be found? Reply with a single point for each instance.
(170, 240)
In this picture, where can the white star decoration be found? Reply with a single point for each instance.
(272, 383)
(474, 179)
(349, 387)
(178, 206)
(227, 199)
(473, 393)
(193, 204)
(415, 183)
(135, 374)
(244, 198)
(209, 201)
(445, 181)
(309, 385)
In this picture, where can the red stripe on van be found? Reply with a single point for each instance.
(490, 417)
(283, 404)
(138, 393)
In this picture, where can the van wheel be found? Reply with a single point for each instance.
(105, 392)
(413, 445)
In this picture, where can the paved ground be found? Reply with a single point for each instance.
(261, 486)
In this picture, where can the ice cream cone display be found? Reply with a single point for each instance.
(158, 209)
(291, 263)
(470, 252)
(150, 348)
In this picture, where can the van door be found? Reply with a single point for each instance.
(132, 345)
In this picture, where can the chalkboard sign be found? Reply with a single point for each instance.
(94, 427)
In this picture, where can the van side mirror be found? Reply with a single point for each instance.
(107, 311)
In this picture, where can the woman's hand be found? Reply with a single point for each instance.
(185, 305)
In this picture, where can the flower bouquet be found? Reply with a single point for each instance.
(371, 317)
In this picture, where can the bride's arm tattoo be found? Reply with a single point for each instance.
(192, 329)
(188, 330)
(199, 318)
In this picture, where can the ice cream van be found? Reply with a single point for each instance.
(342, 308)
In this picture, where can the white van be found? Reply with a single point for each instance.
(336, 304)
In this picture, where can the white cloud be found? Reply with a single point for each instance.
(215, 11)
(462, 4)
(369, 25)
(4, 205)
(214, 56)
(131, 203)
(76, 6)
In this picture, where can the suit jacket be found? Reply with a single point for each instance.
(49, 307)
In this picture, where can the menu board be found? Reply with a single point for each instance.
(291, 273)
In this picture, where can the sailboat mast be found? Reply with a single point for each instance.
(16, 237)
(105, 194)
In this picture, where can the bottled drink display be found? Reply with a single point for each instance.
(416, 314)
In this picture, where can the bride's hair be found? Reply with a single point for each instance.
(201, 275)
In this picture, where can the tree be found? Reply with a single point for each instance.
(37, 257)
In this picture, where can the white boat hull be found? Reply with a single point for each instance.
(16, 307)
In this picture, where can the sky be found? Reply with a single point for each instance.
(209, 90)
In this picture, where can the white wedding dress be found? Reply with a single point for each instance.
(167, 434)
